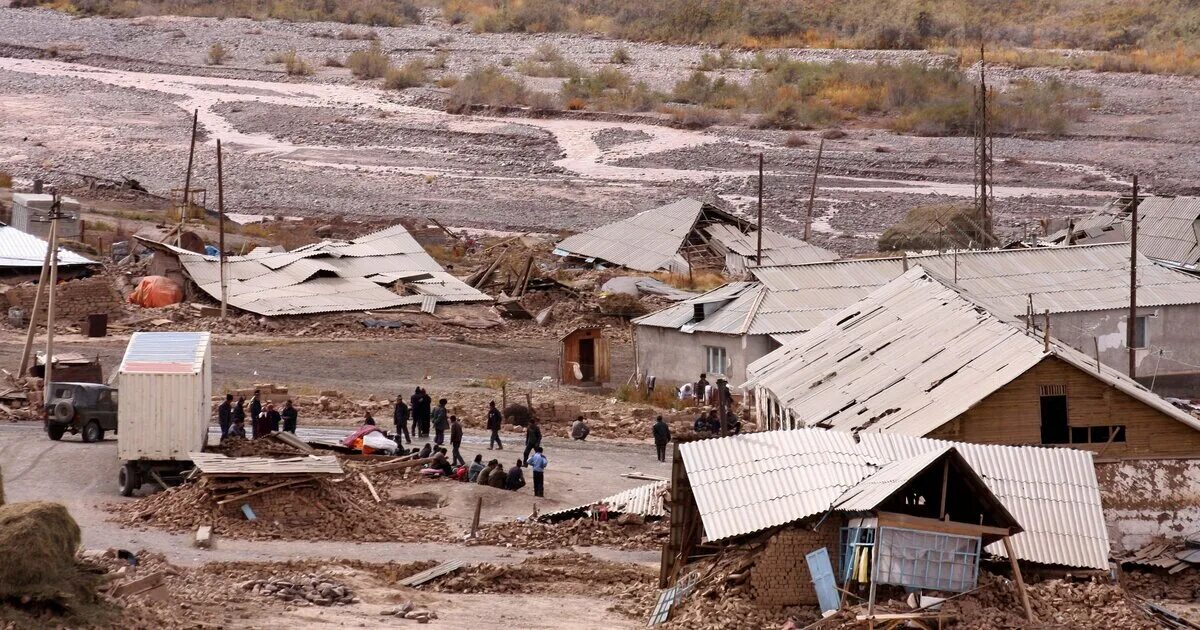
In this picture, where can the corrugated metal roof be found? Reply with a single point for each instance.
(647, 241)
(217, 464)
(1061, 279)
(18, 249)
(910, 357)
(1052, 492)
(165, 352)
(1168, 228)
(751, 482)
(646, 500)
(867, 494)
(778, 249)
(328, 276)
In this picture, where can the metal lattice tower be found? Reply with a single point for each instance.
(984, 200)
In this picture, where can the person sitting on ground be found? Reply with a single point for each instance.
(515, 479)
(580, 429)
(701, 423)
(482, 477)
(441, 460)
(497, 479)
(237, 429)
(367, 427)
(475, 469)
(714, 422)
(425, 451)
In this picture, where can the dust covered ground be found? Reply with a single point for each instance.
(110, 98)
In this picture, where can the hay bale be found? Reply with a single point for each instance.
(936, 226)
(38, 541)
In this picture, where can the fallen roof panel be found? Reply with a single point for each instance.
(217, 464)
(19, 249)
(647, 241)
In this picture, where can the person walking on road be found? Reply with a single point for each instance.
(400, 416)
(533, 437)
(494, 422)
(440, 422)
(290, 416)
(662, 435)
(456, 435)
(538, 464)
(225, 416)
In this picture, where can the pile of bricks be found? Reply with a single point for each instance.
(74, 300)
(780, 576)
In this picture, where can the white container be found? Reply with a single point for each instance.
(164, 400)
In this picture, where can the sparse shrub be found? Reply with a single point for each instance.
(353, 34)
(293, 64)
(794, 140)
(576, 103)
(371, 63)
(693, 117)
(620, 56)
(411, 74)
(486, 86)
(449, 80)
(543, 101)
(333, 62)
(720, 61)
(217, 54)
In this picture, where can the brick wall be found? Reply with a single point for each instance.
(780, 575)
(74, 300)
(295, 507)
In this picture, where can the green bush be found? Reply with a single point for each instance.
(486, 86)
(371, 63)
(411, 74)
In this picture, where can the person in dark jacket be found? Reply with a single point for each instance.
(494, 422)
(290, 416)
(497, 479)
(533, 437)
(255, 407)
(225, 416)
(272, 418)
(238, 428)
(422, 411)
(662, 435)
(400, 417)
(425, 451)
(239, 413)
(456, 435)
(441, 422)
(701, 388)
(515, 480)
(483, 477)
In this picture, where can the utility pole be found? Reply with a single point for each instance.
(55, 209)
(758, 259)
(1130, 339)
(187, 182)
(37, 302)
(221, 231)
(812, 194)
(983, 154)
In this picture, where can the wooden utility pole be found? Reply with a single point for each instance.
(187, 182)
(37, 304)
(758, 259)
(983, 154)
(1130, 338)
(812, 193)
(55, 209)
(221, 230)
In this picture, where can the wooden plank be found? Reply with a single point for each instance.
(475, 519)
(203, 536)
(282, 484)
(892, 519)
(1021, 593)
(429, 574)
(400, 465)
(370, 486)
(139, 585)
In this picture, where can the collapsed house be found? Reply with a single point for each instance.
(1168, 229)
(920, 357)
(825, 508)
(687, 235)
(385, 269)
(1085, 289)
(645, 501)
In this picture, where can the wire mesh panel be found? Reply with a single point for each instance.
(928, 560)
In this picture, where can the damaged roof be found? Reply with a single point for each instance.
(19, 249)
(910, 357)
(645, 500)
(328, 276)
(752, 482)
(1168, 228)
(651, 240)
(798, 298)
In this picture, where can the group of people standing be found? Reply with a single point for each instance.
(231, 416)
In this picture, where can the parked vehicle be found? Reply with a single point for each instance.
(166, 382)
(88, 409)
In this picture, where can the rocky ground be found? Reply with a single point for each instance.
(111, 98)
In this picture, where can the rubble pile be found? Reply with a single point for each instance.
(302, 589)
(719, 598)
(1082, 604)
(408, 611)
(1182, 586)
(573, 533)
(566, 572)
(320, 509)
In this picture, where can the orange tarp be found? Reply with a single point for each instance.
(156, 291)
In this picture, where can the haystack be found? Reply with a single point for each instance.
(38, 542)
(937, 226)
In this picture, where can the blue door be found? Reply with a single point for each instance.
(822, 577)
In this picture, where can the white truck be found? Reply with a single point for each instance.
(165, 383)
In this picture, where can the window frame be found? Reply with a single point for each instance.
(723, 355)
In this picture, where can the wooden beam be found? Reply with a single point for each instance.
(408, 463)
(1016, 568)
(371, 487)
(892, 519)
(282, 484)
(945, 482)
(475, 518)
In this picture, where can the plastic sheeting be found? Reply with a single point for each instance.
(156, 291)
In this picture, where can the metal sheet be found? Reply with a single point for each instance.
(645, 500)
(18, 249)
(217, 464)
(647, 241)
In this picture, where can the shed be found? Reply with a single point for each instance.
(31, 214)
(165, 382)
(584, 358)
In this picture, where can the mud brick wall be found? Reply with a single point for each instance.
(287, 506)
(74, 300)
(780, 575)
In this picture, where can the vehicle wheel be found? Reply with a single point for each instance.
(92, 432)
(55, 431)
(128, 479)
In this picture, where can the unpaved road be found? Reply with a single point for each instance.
(117, 99)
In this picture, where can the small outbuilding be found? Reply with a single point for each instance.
(584, 358)
(31, 215)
